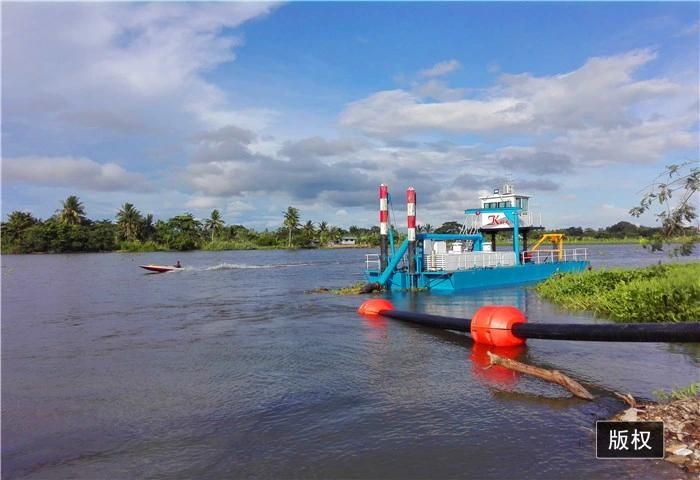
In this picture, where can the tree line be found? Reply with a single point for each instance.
(69, 230)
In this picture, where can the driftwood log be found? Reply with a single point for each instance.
(627, 398)
(553, 376)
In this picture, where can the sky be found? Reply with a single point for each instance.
(249, 108)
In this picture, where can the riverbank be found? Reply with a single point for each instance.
(681, 417)
(642, 241)
(606, 241)
(660, 293)
(150, 247)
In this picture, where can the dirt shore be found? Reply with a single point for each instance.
(681, 428)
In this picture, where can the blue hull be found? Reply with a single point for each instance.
(477, 278)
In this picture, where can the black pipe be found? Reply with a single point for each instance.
(624, 332)
(617, 332)
(428, 320)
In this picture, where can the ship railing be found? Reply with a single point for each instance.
(530, 219)
(451, 262)
(471, 225)
(550, 256)
(575, 254)
(372, 261)
(435, 262)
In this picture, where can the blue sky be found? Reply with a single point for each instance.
(251, 107)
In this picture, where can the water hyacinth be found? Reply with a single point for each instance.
(661, 293)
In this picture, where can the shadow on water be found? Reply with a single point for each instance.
(690, 350)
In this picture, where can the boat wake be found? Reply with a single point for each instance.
(241, 266)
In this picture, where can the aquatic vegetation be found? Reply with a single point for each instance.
(355, 289)
(661, 293)
(690, 391)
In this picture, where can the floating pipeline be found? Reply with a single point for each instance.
(506, 326)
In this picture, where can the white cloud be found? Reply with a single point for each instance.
(321, 147)
(645, 143)
(440, 69)
(439, 90)
(598, 114)
(692, 29)
(72, 172)
(121, 66)
(602, 93)
(203, 202)
(397, 112)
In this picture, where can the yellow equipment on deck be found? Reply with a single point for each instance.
(557, 240)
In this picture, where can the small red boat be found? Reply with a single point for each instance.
(159, 268)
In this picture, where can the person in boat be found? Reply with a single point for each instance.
(177, 264)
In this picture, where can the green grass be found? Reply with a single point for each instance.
(217, 245)
(625, 241)
(661, 293)
(689, 392)
(605, 241)
(141, 247)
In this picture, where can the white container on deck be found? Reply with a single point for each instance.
(440, 247)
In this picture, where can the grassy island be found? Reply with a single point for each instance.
(660, 293)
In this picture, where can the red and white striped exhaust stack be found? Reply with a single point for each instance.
(411, 210)
(383, 210)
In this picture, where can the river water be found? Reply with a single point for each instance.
(233, 368)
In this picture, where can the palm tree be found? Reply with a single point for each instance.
(309, 232)
(129, 222)
(17, 222)
(20, 220)
(73, 212)
(323, 233)
(335, 234)
(214, 223)
(291, 221)
(147, 227)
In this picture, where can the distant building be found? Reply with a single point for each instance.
(348, 241)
